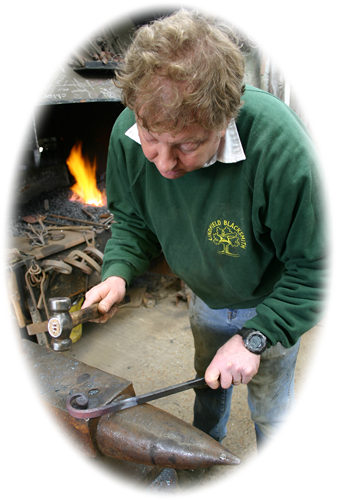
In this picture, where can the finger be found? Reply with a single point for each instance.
(107, 302)
(103, 308)
(105, 317)
(248, 372)
(214, 384)
(226, 375)
(100, 294)
(246, 378)
(236, 376)
(92, 297)
(212, 376)
(236, 380)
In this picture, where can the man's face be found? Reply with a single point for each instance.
(175, 156)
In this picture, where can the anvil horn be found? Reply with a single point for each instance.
(148, 435)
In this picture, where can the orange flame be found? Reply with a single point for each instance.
(85, 188)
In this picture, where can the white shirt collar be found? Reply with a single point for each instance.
(230, 152)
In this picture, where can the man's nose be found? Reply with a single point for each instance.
(166, 159)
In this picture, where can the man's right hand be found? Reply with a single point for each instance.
(108, 294)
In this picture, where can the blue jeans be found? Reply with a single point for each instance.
(271, 390)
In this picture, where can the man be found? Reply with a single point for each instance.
(222, 179)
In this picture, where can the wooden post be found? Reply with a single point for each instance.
(15, 298)
(7, 296)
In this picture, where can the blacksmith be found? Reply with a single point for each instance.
(221, 178)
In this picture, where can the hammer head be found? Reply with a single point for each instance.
(60, 324)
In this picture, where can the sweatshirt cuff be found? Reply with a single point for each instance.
(120, 269)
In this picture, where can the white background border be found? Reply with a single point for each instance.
(38, 36)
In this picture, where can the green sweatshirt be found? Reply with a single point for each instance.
(240, 235)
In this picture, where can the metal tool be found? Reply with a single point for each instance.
(61, 324)
(82, 401)
(38, 236)
(143, 434)
(62, 321)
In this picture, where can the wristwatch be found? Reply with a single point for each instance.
(254, 340)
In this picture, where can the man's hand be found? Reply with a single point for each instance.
(232, 364)
(108, 293)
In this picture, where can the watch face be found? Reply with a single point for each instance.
(255, 342)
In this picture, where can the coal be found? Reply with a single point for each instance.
(58, 203)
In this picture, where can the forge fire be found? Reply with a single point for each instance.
(85, 188)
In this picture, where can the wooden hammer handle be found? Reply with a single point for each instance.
(84, 315)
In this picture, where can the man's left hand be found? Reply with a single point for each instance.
(232, 364)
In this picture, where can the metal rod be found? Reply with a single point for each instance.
(68, 228)
(82, 221)
(84, 413)
(174, 389)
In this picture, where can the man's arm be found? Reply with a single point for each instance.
(132, 245)
(288, 217)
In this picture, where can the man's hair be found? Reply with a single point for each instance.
(182, 70)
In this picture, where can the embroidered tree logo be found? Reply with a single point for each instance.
(228, 238)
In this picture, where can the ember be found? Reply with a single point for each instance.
(85, 189)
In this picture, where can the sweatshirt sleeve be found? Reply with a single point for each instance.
(288, 217)
(132, 244)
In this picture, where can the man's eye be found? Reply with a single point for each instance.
(151, 140)
(189, 147)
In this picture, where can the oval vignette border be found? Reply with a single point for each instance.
(34, 461)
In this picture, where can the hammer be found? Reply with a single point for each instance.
(62, 321)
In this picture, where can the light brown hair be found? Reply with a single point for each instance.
(182, 70)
